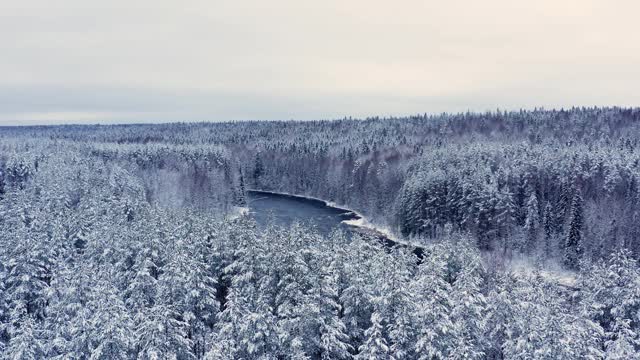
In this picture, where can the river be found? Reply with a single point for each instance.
(283, 209)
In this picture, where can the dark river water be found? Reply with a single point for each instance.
(281, 209)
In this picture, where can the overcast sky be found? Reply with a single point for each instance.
(154, 60)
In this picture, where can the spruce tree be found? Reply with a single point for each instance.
(547, 223)
(573, 248)
(433, 302)
(25, 343)
(532, 223)
(623, 342)
(375, 345)
(333, 339)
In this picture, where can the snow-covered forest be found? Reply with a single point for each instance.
(125, 241)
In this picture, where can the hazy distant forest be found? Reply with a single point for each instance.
(125, 241)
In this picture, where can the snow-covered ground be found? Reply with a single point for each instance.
(363, 223)
(237, 211)
(524, 265)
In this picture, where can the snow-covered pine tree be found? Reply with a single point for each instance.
(433, 322)
(375, 345)
(500, 315)
(399, 304)
(333, 340)
(161, 333)
(188, 284)
(357, 297)
(532, 224)
(547, 223)
(111, 324)
(623, 342)
(141, 292)
(467, 314)
(25, 343)
(246, 326)
(573, 247)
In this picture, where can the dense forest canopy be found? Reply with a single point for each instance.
(124, 241)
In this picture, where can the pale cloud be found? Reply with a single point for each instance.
(143, 60)
(63, 117)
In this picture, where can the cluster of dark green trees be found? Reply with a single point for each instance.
(572, 203)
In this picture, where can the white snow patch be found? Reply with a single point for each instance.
(237, 212)
(364, 223)
(551, 272)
